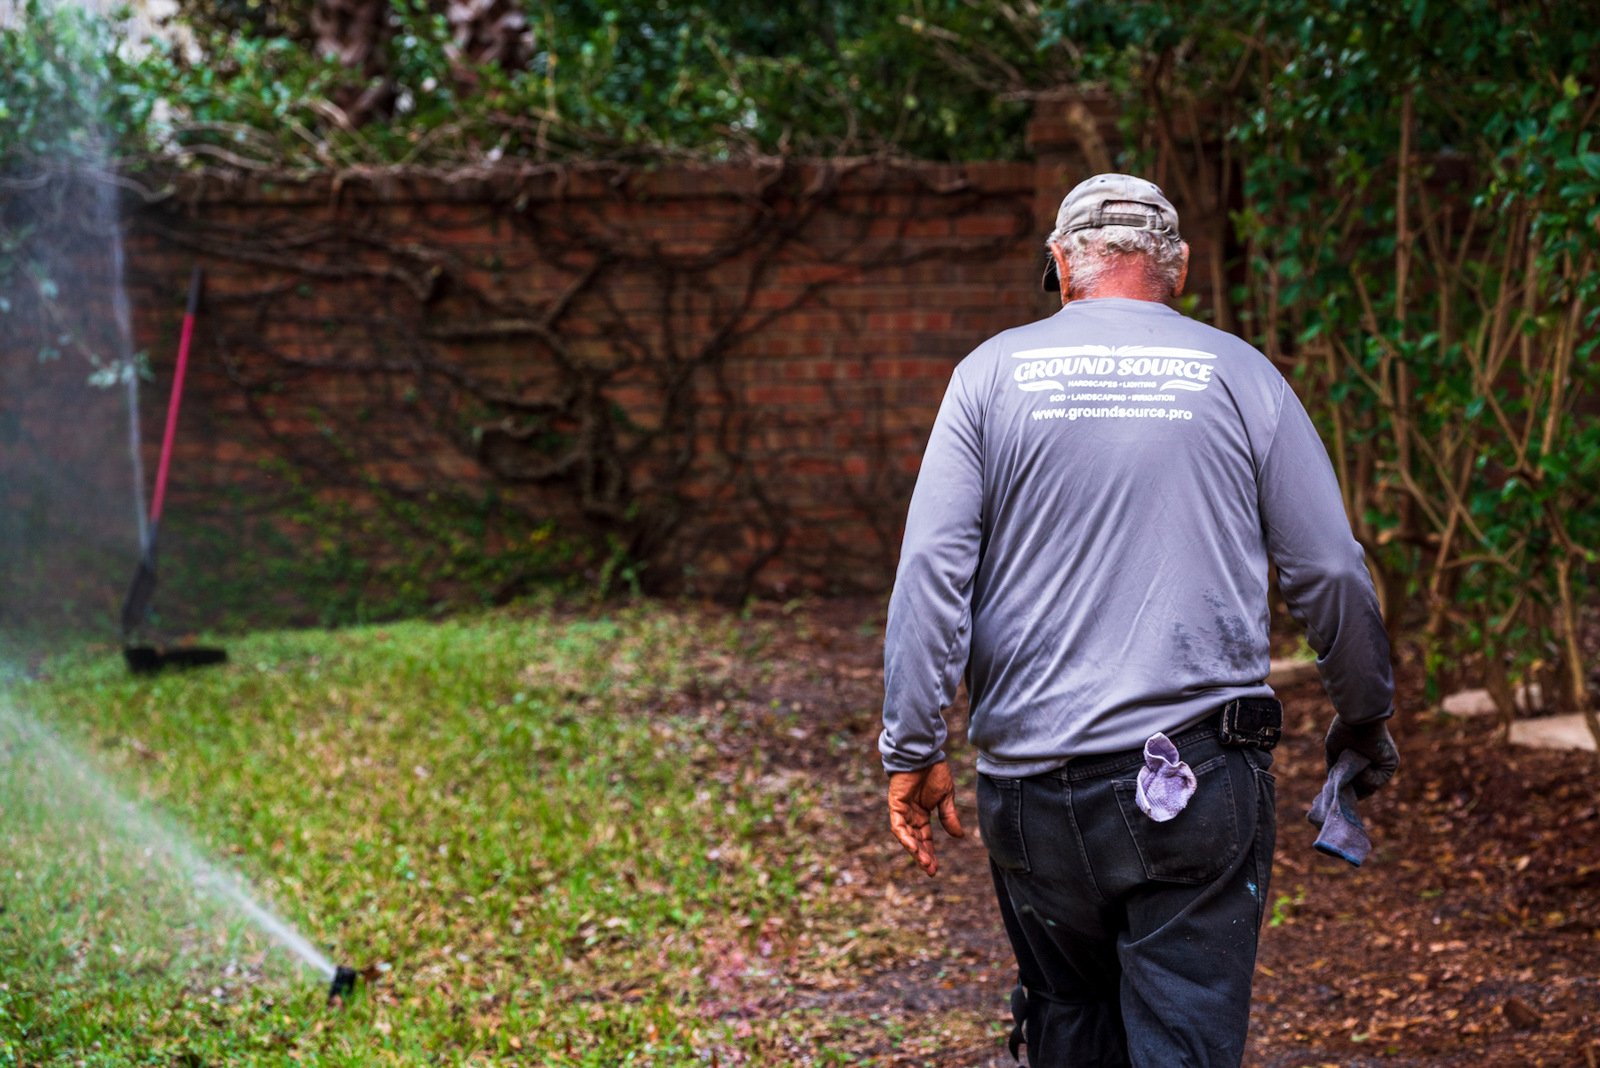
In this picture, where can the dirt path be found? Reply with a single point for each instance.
(1471, 937)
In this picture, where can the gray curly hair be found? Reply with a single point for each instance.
(1092, 253)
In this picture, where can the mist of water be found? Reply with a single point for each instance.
(123, 315)
(63, 533)
(107, 224)
(68, 376)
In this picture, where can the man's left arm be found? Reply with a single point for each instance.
(930, 625)
(1325, 583)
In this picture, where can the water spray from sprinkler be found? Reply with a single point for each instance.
(177, 852)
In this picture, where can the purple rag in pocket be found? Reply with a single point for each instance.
(1165, 782)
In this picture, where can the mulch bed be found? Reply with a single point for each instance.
(1471, 936)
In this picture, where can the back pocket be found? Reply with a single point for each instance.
(1197, 844)
(1000, 822)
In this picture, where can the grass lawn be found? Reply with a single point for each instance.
(654, 835)
(548, 838)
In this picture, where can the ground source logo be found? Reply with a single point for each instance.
(1055, 368)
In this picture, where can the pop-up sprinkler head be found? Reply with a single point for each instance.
(344, 981)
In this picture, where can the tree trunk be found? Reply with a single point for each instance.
(354, 33)
(490, 31)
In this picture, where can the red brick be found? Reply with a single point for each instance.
(987, 225)
(837, 377)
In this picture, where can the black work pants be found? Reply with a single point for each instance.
(1135, 940)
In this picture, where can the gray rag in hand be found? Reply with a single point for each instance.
(1343, 834)
(1165, 782)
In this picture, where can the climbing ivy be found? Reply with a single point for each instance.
(1422, 194)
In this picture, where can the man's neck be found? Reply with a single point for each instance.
(1126, 288)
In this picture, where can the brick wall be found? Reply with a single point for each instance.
(728, 372)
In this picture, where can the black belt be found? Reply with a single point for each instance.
(1248, 723)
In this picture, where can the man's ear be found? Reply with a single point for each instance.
(1183, 272)
(1063, 272)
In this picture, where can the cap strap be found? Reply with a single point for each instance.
(1150, 220)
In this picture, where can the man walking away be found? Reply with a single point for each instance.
(1088, 544)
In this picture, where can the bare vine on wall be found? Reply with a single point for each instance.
(595, 365)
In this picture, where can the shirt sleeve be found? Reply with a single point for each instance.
(930, 614)
(1322, 571)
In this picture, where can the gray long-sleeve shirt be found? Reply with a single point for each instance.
(1088, 542)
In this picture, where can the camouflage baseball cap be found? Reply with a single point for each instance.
(1085, 209)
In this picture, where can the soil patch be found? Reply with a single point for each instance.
(1471, 936)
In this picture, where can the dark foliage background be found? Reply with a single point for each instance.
(1409, 192)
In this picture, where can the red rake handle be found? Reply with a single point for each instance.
(176, 399)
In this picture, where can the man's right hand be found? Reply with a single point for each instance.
(914, 796)
(1371, 740)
